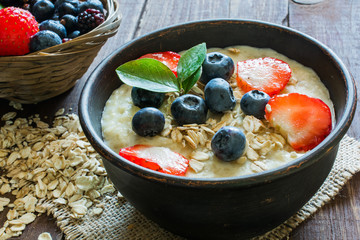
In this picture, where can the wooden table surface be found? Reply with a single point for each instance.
(334, 22)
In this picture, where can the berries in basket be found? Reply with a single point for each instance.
(31, 25)
(46, 46)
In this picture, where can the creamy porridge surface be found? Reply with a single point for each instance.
(266, 148)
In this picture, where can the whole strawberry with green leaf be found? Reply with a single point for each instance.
(16, 28)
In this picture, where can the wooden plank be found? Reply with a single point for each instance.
(337, 220)
(275, 11)
(336, 24)
(162, 13)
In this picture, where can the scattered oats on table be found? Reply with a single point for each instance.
(60, 112)
(16, 105)
(47, 167)
(45, 236)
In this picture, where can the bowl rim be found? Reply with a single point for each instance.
(310, 157)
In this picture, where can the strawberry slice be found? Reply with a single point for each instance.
(170, 59)
(303, 120)
(160, 159)
(269, 75)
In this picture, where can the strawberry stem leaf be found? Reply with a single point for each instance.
(148, 74)
(189, 63)
(190, 81)
(153, 75)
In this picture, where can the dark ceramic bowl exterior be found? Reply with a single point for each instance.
(223, 208)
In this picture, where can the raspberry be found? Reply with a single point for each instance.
(90, 19)
(16, 28)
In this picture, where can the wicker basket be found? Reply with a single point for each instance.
(47, 73)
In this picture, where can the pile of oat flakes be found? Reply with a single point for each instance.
(46, 166)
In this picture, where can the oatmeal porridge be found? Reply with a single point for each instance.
(266, 147)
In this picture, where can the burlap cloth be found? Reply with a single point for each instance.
(121, 221)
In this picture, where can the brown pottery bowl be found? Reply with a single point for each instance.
(222, 208)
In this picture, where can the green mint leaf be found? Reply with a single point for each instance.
(148, 74)
(190, 81)
(189, 63)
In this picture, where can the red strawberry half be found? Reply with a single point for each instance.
(160, 159)
(269, 75)
(16, 28)
(303, 120)
(170, 59)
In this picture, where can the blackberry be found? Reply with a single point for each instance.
(90, 19)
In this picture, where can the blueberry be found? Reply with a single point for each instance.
(42, 10)
(219, 96)
(67, 8)
(69, 22)
(145, 98)
(54, 26)
(44, 39)
(188, 109)
(75, 3)
(217, 65)
(228, 144)
(55, 17)
(32, 2)
(95, 4)
(254, 102)
(74, 34)
(148, 121)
